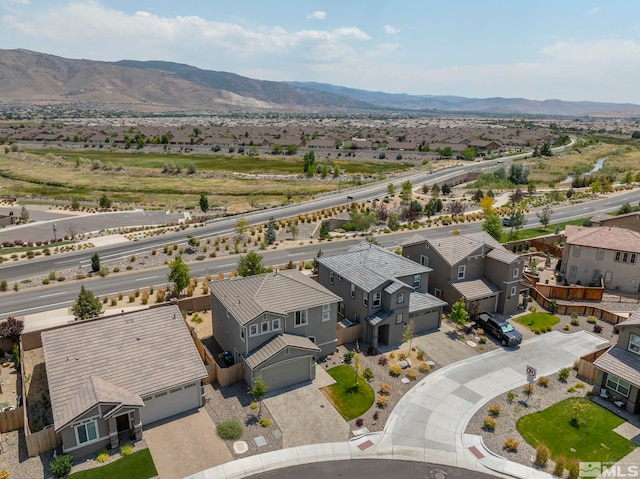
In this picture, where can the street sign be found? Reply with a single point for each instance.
(531, 373)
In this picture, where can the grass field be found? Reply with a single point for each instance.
(138, 465)
(538, 321)
(539, 231)
(350, 401)
(590, 438)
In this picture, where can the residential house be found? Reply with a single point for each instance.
(618, 369)
(277, 324)
(630, 221)
(475, 267)
(382, 291)
(608, 253)
(112, 376)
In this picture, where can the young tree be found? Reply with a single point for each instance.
(293, 229)
(86, 306)
(95, 262)
(75, 204)
(308, 162)
(493, 225)
(24, 215)
(544, 216)
(407, 190)
(408, 333)
(258, 391)
(178, 274)
(446, 189)
(435, 191)
(517, 196)
(241, 226)
(391, 190)
(270, 233)
(11, 328)
(486, 203)
(518, 174)
(459, 312)
(104, 202)
(204, 203)
(250, 264)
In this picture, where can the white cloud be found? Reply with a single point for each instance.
(391, 30)
(20, 2)
(593, 11)
(318, 15)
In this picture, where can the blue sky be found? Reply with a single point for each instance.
(542, 49)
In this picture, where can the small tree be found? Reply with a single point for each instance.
(86, 306)
(407, 190)
(204, 203)
(258, 391)
(178, 274)
(24, 215)
(544, 216)
(104, 202)
(250, 264)
(407, 334)
(459, 312)
(493, 225)
(11, 328)
(308, 162)
(391, 189)
(95, 262)
(293, 229)
(270, 233)
(446, 189)
(241, 226)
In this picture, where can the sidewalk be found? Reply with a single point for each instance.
(428, 423)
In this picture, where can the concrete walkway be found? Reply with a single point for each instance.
(428, 423)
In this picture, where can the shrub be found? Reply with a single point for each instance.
(367, 374)
(575, 322)
(4, 286)
(402, 357)
(564, 373)
(103, 456)
(348, 357)
(392, 355)
(542, 455)
(382, 360)
(231, 430)
(561, 463)
(574, 469)
(4, 474)
(543, 381)
(574, 315)
(511, 396)
(114, 301)
(489, 423)
(265, 422)
(254, 406)
(597, 328)
(571, 389)
(482, 339)
(494, 409)
(579, 385)
(382, 401)
(420, 355)
(61, 465)
(126, 450)
(511, 444)
(412, 373)
(385, 388)
(566, 327)
(424, 368)
(395, 370)
(591, 319)
(359, 422)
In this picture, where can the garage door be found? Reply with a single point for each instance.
(287, 372)
(169, 403)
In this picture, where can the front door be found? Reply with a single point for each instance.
(122, 423)
(383, 334)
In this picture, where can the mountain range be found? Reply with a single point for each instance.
(37, 78)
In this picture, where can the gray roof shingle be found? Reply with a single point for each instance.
(117, 359)
(455, 249)
(424, 302)
(476, 288)
(606, 237)
(278, 293)
(621, 363)
(276, 344)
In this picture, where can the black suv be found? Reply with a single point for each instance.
(502, 330)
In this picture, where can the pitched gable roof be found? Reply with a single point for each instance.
(621, 363)
(605, 237)
(279, 293)
(269, 349)
(457, 248)
(126, 355)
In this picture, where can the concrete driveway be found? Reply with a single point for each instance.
(185, 444)
(305, 415)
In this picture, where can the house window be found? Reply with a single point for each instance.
(513, 291)
(300, 318)
(87, 432)
(634, 343)
(417, 280)
(424, 260)
(356, 318)
(312, 339)
(242, 333)
(399, 318)
(339, 278)
(437, 293)
(596, 275)
(618, 254)
(331, 277)
(352, 290)
(264, 327)
(573, 271)
(632, 258)
(600, 253)
(516, 272)
(275, 324)
(608, 277)
(377, 299)
(576, 250)
(461, 271)
(400, 297)
(625, 257)
(326, 312)
(365, 299)
(617, 384)
(253, 330)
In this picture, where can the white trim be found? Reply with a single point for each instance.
(85, 423)
(326, 312)
(273, 322)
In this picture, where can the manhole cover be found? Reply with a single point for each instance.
(240, 447)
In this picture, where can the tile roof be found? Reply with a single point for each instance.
(455, 249)
(606, 237)
(503, 255)
(621, 363)
(278, 293)
(633, 320)
(369, 266)
(276, 344)
(476, 288)
(117, 358)
(424, 302)
(378, 317)
(395, 286)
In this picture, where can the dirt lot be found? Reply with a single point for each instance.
(37, 390)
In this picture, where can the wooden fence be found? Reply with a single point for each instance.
(43, 441)
(12, 420)
(347, 335)
(571, 293)
(586, 369)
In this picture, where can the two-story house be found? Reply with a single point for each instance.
(607, 253)
(382, 291)
(475, 267)
(277, 324)
(618, 369)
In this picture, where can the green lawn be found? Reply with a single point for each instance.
(138, 465)
(592, 440)
(350, 402)
(539, 231)
(539, 321)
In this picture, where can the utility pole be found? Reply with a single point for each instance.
(55, 237)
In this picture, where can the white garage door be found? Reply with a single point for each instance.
(169, 403)
(287, 373)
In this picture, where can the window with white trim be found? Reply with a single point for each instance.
(275, 324)
(352, 290)
(331, 277)
(377, 299)
(424, 260)
(399, 318)
(242, 333)
(417, 280)
(437, 293)
(513, 291)
(253, 330)
(634, 343)
(596, 275)
(576, 250)
(608, 276)
(461, 271)
(339, 278)
(618, 384)
(300, 318)
(87, 432)
(264, 327)
(365, 298)
(516, 272)
(400, 297)
(600, 253)
(326, 312)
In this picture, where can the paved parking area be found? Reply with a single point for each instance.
(185, 445)
(305, 415)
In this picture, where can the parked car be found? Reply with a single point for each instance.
(501, 329)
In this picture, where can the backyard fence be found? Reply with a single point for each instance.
(43, 441)
(586, 369)
(347, 335)
(12, 420)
